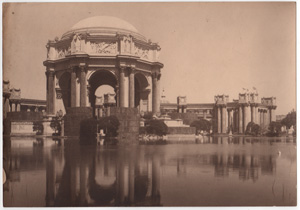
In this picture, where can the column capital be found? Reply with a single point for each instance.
(83, 68)
(156, 75)
(132, 70)
(50, 73)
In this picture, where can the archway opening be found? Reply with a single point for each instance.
(102, 82)
(141, 92)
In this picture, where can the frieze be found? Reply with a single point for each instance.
(63, 52)
(104, 47)
(141, 52)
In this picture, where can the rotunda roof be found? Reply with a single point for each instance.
(104, 24)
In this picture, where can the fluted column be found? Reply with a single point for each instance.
(73, 87)
(240, 119)
(261, 113)
(82, 86)
(224, 119)
(155, 94)
(219, 119)
(252, 114)
(246, 116)
(131, 88)
(122, 88)
(256, 115)
(272, 115)
(265, 117)
(50, 92)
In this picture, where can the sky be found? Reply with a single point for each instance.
(207, 48)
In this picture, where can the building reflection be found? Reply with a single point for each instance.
(103, 178)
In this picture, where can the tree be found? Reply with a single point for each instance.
(56, 126)
(201, 125)
(290, 120)
(156, 127)
(253, 129)
(38, 127)
(274, 128)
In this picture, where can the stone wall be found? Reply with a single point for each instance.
(129, 119)
(20, 123)
(73, 118)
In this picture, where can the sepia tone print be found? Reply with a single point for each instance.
(149, 104)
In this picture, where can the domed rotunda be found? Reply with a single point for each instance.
(97, 51)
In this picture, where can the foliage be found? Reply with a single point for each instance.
(253, 129)
(88, 128)
(290, 120)
(110, 125)
(201, 125)
(156, 127)
(274, 128)
(56, 125)
(148, 116)
(38, 127)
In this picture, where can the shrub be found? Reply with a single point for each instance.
(156, 127)
(201, 125)
(274, 128)
(38, 127)
(253, 129)
(56, 126)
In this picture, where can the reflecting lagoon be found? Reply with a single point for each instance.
(214, 171)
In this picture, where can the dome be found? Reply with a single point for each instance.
(104, 24)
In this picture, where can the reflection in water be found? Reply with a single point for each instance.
(43, 172)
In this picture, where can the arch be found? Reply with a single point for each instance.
(99, 78)
(64, 83)
(141, 92)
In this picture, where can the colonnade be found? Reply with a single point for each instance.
(125, 89)
(236, 119)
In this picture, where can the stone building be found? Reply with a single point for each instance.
(226, 116)
(99, 51)
(235, 116)
(13, 102)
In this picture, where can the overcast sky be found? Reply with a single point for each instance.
(207, 48)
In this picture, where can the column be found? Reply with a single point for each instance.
(13, 106)
(78, 88)
(246, 116)
(219, 119)
(252, 114)
(154, 93)
(224, 119)
(131, 88)
(122, 87)
(264, 118)
(240, 119)
(256, 115)
(82, 87)
(73, 87)
(50, 93)
(272, 115)
(261, 117)
(230, 121)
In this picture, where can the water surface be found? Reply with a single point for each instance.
(217, 171)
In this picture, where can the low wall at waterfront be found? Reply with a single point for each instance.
(182, 130)
(129, 119)
(21, 123)
(73, 118)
